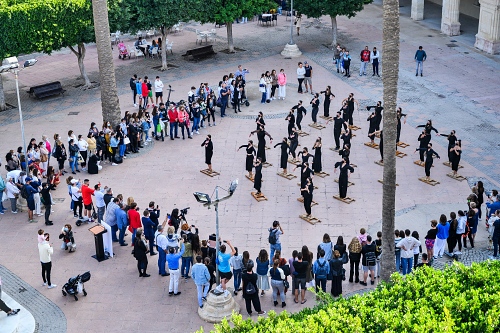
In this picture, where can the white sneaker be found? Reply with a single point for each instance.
(124, 156)
(16, 212)
(149, 139)
(197, 132)
(135, 105)
(52, 286)
(114, 164)
(44, 284)
(145, 143)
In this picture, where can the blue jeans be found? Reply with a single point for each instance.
(185, 266)
(398, 261)
(273, 248)
(1, 205)
(202, 292)
(407, 265)
(237, 278)
(162, 258)
(122, 150)
(196, 124)
(122, 235)
(172, 127)
(133, 235)
(223, 107)
(362, 68)
(114, 229)
(421, 64)
(263, 99)
(74, 163)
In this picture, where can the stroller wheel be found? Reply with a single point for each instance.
(84, 292)
(64, 293)
(247, 103)
(76, 298)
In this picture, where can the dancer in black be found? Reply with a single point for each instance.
(301, 111)
(456, 154)
(317, 166)
(305, 172)
(345, 171)
(326, 103)
(452, 139)
(305, 155)
(424, 140)
(337, 129)
(260, 120)
(284, 154)
(345, 113)
(378, 114)
(345, 152)
(209, 151)
(294, 142)
(291, 121)
(257, 182)
(250, 150)
(429, 159)
(372, 118)
(399, 115)
(315, 107)
(307, 192)
(428, 129)
(350, 107)
(346, 137)
(261, 146)
(237, 92)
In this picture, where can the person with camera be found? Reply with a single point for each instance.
(223, 266)
(173, 265)
(274, 239)
(45, 250)
(250, 290)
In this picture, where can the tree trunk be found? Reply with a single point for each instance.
(80, 55)
(334, 31)
(3, 106)
(390, 74)
(163, 46)
(109, 94)
(229, 28)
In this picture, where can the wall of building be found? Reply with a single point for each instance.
(467, 7)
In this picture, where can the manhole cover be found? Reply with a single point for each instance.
(73, 113)
(451, 45)
(58, 200)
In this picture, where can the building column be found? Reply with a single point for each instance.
(417, 10)
(449, 20)
(488, 35)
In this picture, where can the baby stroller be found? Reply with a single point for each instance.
(75, 285)
(123, 52)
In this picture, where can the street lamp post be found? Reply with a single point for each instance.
(12, 65)
(291, 23)
(291, 49)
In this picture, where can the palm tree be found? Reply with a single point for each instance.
(390, 73)
(109, 94)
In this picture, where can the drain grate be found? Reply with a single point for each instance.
(73, 113)
(452, 45)
(58, 200)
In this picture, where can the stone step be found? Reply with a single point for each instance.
(23, 322)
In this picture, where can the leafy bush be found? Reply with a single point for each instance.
(457, 299)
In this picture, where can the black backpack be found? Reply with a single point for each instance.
(370, 258)
(250, 289)
(272, 236)
(24, 192)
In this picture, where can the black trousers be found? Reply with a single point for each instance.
(47, 212)
(46, 268)
(84, 156)
(336, 136)
(77, 204)
(298, 121)
(300, 85)
(256, 303)
(292, 148)
(273, 89)
(314, 114)
(375, 67)
(307, 203)
(4, 307)
(354, 270)
(142, 266)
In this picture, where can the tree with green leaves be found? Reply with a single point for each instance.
(333, 8)
(160, 15)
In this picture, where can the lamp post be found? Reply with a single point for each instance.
(291, 23)
(12, 65)
(291, 49)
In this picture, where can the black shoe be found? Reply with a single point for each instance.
(350, 280)
(363, 283)
(190, 137)
(171, 138)
(283, 304)
(77, 170)
(140, 274)
(145, 275)
(123, 244)
(170, 293)
(416, 74)
(153, 253)
(275, 303)
(73, 172)
(338, 71)
(166, 274)
(177, 293)
(177, 137)
(356, 281)
(49, 223)
(372, 282)
(421, 74)
(373, 74)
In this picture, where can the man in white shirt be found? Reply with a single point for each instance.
(407, 245)
(99, 202)
(16, 175)
(158, 89)
(161, 247)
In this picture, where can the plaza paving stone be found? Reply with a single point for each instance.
(168, 172)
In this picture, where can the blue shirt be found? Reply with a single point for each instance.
(443, 230)
(223, 265)
(173, 259)
(30, 190)
(121, 218)
(262, 267)
(420, 55)
(200, 274)
(149, 228)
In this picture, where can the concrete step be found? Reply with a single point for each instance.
(23, 322)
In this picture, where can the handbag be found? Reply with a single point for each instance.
(286, 284)
(286, 269)
(80, 159)
(126, 141)
(345, 258)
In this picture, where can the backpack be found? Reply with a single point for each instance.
(378, 247)
(24, 192)
(272, 236)
(250, 289)
(370, 258)
(321, 272)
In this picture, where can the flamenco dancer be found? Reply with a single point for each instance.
(305, 155)
(305, 172)
(209, 151)
(250, 151)
(261, 146)
(378, 114)
(315, 108)
(346, 137)
(301, 112)
(317, 166)
(294, 142)
(428, 129)
(345, 171)
(345, 113)
(423, 140)
(429, 159)
(284, 154)
(399, 115)
(381, 144)
(456, 154)
(326, 102)
(338, 121)
(307, 193)
(259, 121)
(372, 118)
(350, 107)
(345, 152)
(257, 182)
(291, 121)
(452, 139)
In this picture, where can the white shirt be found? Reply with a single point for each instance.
(74, 193)
(83, 145)
(301, 71)
(161, 240)
(409, 244)
(99, 199)
(11, 190)
(14, 174)
(45, 251)
(158, 86)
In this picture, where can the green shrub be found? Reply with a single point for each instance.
(457, 299)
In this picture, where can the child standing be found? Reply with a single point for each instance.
(41, 237)
(362, 236)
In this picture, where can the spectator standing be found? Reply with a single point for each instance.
(262, 262)
(336, 57)
(327, 247)
(133, 87)
(223, 266)
(99, 202)
(122, 222)
(301, 71)
(443, 229)
(282, 84)
(236, 262)
(149, 231)
(378, 251)
(87, 193)
(292, 268)
(173, 264)
(201, 278)
(134, 219)
(397, 250)
(45, 251)
(250, 290)
(346, 63)
(300, 267)
(494, 222)
(277, 277)
(12, 194)
(369, 260)
(158, 89)
(354, 257)
(375, 60)
(47, 201)
(31, 189)
(407, 245)
(308, 77)
(365, 59)
(111, 218)
(337, 273)
(140, 253)
(420, 57)
(274, 239)
(321, 269)
(162, 248)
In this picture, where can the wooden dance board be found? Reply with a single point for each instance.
(420, 163)
(317, 126)
(379, 163)
(354, 127)
(400, 154)
(402, 144)
(372, 145)
(448, 164)
(209, 173)
(251, 179)
(310, 219)
(302, 133)
(346, 200)
(266, 164)
(456, 177)
(259, 197)
(301, 199)
(322, 174)
(294, 162)
(315, 187)
(429, 181)
(348, 182)
(381, 182)
(326, 118)
(288, 176)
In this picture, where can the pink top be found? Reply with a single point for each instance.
(47, 145)
(41, 238)
(362, 238)
(281, 79)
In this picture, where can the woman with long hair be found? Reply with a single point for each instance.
(277, 277)
(262, 262)
(140, 251)
(308, 256)
(354, 257)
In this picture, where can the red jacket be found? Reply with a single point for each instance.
(87, 194)
(134, 219)
(365, 56)
(172, 115)
(145, 90)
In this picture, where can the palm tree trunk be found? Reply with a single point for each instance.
(229, 29)
(390, 73)
(334, 30)
(163, 46)
(3, 106)
(109, 94)
(80, 54)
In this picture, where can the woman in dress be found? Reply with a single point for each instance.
(261, 147)
(308, 256)
(336, 268)
(259, 121)
(209, 151)
(326, 102)
(250, 150)
(372, 118)
(257, 182)
(262, 262)
(316, 166)
(140, 253)
(399, 115)
(350, 107)
(284, 154)
(315, 107)
(294, 142)
(268, 81)
(345, 171)
(378, 114)
(274, 83)
(347, 136)
(291, 121)
(307, 194)
(429, 159)
(455, 154)
(428, 128)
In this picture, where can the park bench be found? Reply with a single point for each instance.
(200, 52)
(46, 90)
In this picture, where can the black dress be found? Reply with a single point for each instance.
(260, 122)
(301, 111)
(257, 181)
(346, 138)
(307, 193)
(452, 139)
(336, 267)
(398, 135)
(317, 167)
(284, 154)
(326, 103)
(140, 251)
(455, 160)
(261, 146)
(378, 115)
(304, 174)
(343, 177)
(337, 129)
(373, 126)
(428, 129)
(350, 109)
(209, 151)
(291, 123)
(424, 141)
(429, 159)
(250, 150)
(315, 109)
(294, 142)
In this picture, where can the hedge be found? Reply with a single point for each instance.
(457, 299)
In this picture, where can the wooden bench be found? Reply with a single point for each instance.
(200, 52)
(46, 90)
